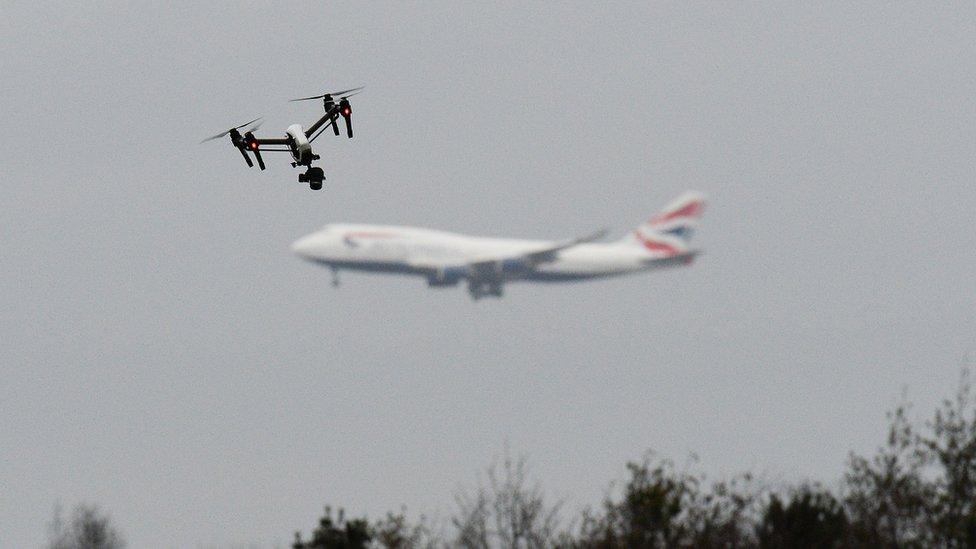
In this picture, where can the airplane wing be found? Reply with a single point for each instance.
(494, 266)
(681, 258)
(489, 266)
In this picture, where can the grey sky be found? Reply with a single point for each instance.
(164, 355)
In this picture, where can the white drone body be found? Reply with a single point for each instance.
(297, 140)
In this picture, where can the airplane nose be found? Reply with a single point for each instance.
(305, 246)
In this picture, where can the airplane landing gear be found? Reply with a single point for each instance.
(479, 289)
(314, 178)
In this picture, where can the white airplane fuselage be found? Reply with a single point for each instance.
(413, 250)
(447, 258)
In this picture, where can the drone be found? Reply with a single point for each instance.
(297, 140)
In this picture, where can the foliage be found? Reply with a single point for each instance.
(337, 533)
(811, 517)
(887, 496)
(660, 506)
(951, 449)
(392, 532)
(651, 512)
(88, 528)
(918, 489)
(508, 512)
(396, 532)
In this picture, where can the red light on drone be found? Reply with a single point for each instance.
(346, 112)
(254, 145)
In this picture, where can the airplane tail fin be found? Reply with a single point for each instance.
(669, 231)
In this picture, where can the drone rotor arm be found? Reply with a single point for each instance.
(327, 118)
(323, 128)
(271, 141)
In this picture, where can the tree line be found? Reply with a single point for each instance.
(918, 489)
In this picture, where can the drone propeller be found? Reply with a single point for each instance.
(329, 94)
(251, 129)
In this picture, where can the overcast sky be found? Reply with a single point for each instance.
(164, 354)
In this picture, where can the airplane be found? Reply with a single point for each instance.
(297, 140)
(486, 264)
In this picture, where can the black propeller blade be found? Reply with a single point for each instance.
(222, 134)
(329, 94)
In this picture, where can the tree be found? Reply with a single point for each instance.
(508, 512)
(918, 489)
(724, 516)
(951, 448)
(89, 528)
(887, 496)
(652, 511)
(396, 532)
(392, 532)
(810, 518)
(337, 533)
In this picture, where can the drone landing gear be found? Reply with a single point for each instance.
(314, 178)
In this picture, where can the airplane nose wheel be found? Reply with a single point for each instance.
(314, 178)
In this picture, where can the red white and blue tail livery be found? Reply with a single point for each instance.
(670, 231)
(486, 264)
